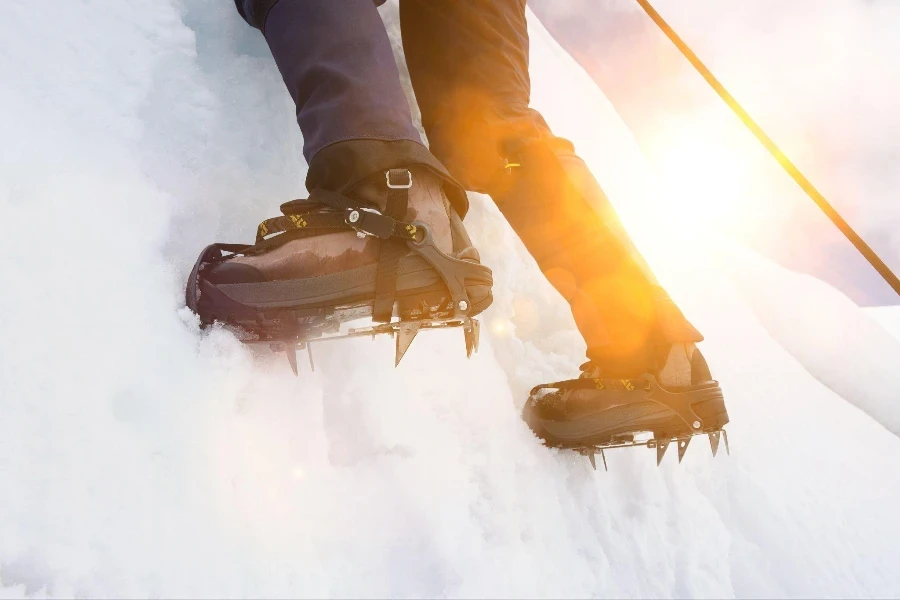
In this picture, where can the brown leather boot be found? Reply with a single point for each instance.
(345, 250)
(391, 247)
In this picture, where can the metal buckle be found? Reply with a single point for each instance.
(405, 186)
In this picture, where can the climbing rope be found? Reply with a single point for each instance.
(773, 149)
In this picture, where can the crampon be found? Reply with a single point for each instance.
(414, 286)
(590, 416)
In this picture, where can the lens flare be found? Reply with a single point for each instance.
(501, 327)
(703, 170)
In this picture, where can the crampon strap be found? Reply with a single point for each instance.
(323, 212)
(391, 249)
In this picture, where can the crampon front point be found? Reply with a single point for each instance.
(661, 445)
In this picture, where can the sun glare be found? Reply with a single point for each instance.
(701, 172)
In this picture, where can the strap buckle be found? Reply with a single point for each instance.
(388, 176)
(369, 222)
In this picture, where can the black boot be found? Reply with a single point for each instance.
(644, 372)
(678, 399)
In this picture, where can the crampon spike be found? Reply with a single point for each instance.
(682, 447)
(661, 447)
(406, 333)
(714, 437)
(290, 348)
(472, 332)
(312, 365)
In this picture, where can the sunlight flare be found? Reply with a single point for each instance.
(703, 170)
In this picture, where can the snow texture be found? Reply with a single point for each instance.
(144, 458)
(889, 317)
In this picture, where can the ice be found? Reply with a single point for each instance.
(143, 458)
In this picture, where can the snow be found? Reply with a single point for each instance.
(143, 458)
(889, 317)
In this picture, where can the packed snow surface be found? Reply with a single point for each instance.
(143, 457)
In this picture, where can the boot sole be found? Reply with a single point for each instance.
(275, 310)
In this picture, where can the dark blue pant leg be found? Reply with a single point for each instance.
(255, 11)
(336, 60)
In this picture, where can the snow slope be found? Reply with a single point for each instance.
(142, 457)
(889, 317)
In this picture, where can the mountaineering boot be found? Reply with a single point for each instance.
(677, 399)
(390, 246)
(644, 371)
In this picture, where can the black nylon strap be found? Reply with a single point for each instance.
(285, 229)
(290, 222)
(391, 249)
(313, 214)
(372, 223)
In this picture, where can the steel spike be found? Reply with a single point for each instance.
(472, 332)
(661, 447)
(590, 456)
(290, 348)
(312, 365)
(603, 456)
(714, 438)
(406, 333)
(725, 436)
(682, 448)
